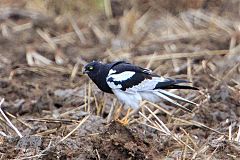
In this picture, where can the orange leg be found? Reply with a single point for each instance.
(117, 113)
(125, 119)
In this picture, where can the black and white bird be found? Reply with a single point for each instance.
(131, 84)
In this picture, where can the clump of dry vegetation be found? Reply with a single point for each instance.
(50, 110)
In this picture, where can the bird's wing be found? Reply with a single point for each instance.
(125, 76)
(121, 66)
(133, 79)
(128, 77)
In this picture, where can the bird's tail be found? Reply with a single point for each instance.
(175, 86)
(170, 96)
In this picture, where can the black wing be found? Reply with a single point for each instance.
(128, 76)
(123, 75)
(121, 66)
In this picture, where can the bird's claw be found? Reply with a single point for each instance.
(124, 121)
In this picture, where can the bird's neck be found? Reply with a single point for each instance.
(100, 79)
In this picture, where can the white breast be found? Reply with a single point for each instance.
(132, 100)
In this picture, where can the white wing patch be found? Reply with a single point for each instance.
(146, 85)
(114, 86)
(121, 76)
(111, 71)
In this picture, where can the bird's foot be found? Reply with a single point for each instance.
(124, 121)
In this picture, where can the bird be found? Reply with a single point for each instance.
(132, 84)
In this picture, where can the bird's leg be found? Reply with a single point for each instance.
(124, 121)
(134, 112)
(117, 113)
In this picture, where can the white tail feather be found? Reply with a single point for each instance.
(172, 101)
(169, 94)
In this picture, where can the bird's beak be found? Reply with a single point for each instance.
(84, 71)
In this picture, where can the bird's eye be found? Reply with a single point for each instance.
(90, 68)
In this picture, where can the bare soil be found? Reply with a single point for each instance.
(48, 101)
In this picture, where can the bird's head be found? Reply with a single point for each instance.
(92, 69)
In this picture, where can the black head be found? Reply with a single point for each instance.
(92, 69)
(98, 72)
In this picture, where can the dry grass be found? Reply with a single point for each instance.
(197, 44)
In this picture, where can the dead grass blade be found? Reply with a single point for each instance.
(74, 71)
(163, 128)
(20, 120)
(183, 55)
(35, 59)
(108, 8)
(238, 135)
(77, 30)
(231, 135)
(79, 125)
(47, 38)
(198, 124)
(160, 108)
(8, 121)
(89, 97)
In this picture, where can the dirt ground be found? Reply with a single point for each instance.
(63, 115)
